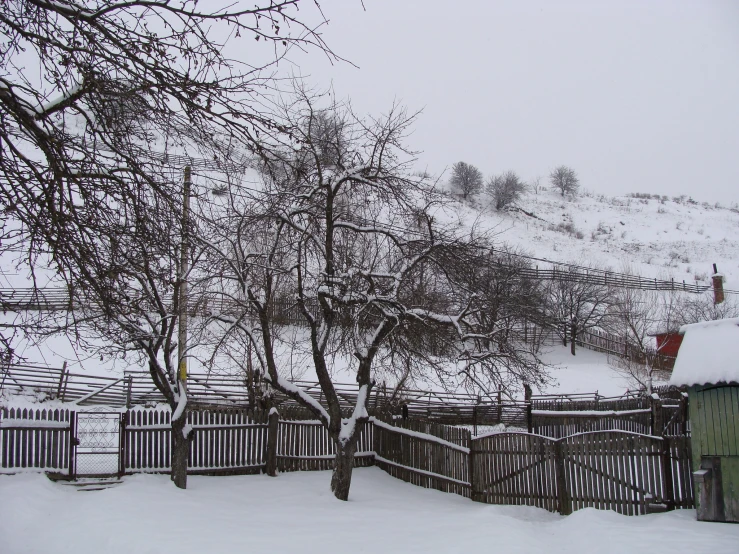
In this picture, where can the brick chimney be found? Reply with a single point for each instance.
(718, 286)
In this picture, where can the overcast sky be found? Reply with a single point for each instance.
(636, 96)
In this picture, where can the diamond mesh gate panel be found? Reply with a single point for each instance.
(98, 450)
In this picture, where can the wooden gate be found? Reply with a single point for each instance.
(516, 468)
(615, 470)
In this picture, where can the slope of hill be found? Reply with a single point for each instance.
(663, 238)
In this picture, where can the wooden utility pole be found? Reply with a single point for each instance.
(184, 268)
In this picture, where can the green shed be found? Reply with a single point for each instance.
(708, 364)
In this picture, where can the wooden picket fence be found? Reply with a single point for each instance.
(648, 415)
(628, 472)
(36, 439)
(422, 459)
(307, 446)
(224, 441)
(231, 442)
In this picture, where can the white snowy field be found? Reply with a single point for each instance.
(586, 372)
(295, 512)
(666, 238)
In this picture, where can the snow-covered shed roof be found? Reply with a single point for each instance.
(709, 353)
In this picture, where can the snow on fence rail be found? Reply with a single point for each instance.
(423, 460)
(648, 415)
(36, 439)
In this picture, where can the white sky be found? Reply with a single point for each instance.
(635, 96)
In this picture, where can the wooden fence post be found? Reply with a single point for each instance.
(72, 445)
(129, 385)
(666, 457)
(565, 507)
(61, 380)
(657, 423)
(273, 423)
(66, 382)
(684, 415)
(529, 408)
(474, 493)
(122, 444)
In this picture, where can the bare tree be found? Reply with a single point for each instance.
(82, 179)
(466, 179)
(135, 308)
(578, 305)
(698, 308)
(341, 228)
(565, 180)
(505, 189)
(535, 184)
(636, 315)
(506, 309)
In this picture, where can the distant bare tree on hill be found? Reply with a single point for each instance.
(565, 180)
(578, 306)
(466, 179)
(505, 189)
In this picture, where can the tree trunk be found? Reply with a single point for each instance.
(573, 336)
(343, 465)
(180, 451)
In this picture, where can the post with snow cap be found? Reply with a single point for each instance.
(718, 286)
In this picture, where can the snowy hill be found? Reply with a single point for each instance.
(664, 238)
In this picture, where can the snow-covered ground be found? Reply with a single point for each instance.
(296, 512)
(586, 372)
(661, 238)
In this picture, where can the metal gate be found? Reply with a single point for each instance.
(98, 443)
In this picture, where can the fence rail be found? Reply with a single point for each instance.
(431, 407)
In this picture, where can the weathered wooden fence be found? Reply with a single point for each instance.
(648, 415)
(627, 472)
(223, 441)
(616, 470)
(231, 442)
(209, 392)
(306, 446)
(423, 459)
(37, 438)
